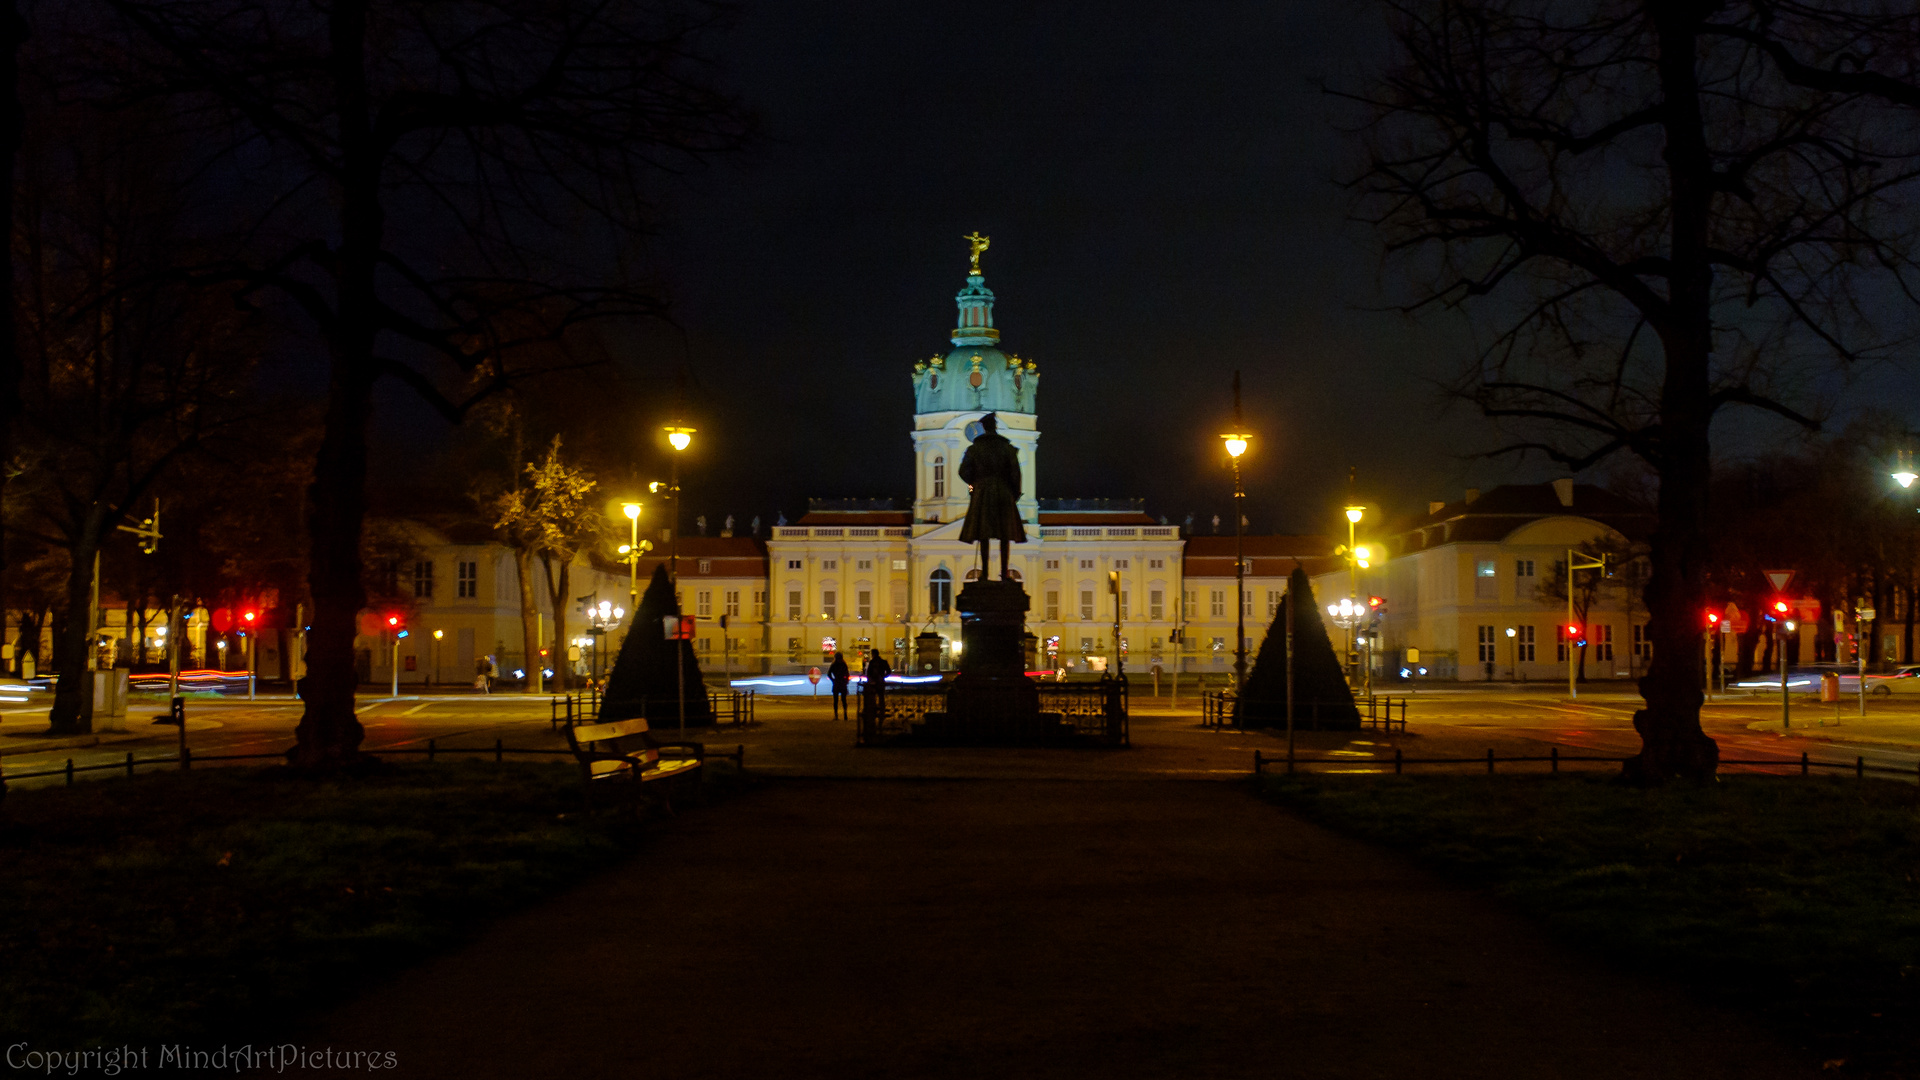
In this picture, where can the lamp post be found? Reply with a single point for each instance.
(435, 669)
(632, 552)
(1575, 561)
(1904, 475)
(1513, 655)
(1236, 443)
(679, 438)
(1358, 559)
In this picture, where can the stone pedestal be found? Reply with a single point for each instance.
(992, 700)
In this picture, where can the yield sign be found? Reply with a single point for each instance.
(1779, 578)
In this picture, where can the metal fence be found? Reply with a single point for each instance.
(1216, 710)
(1553, 759)
(1096, 711)
(730, 707)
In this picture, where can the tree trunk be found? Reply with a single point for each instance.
(529, 627)
(329, 733)
(72, 693)
(557, 591)
(1672, 743)
(14, 29)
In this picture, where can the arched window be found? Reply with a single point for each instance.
(940, 482)
(940, 591)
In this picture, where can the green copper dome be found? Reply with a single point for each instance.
(977, 375)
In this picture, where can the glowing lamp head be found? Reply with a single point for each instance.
(1905, 479)
(1236, 445)
(1511, 631)
(680, 437)
(632, 510)
(1903, 473)
(625, 548)
(438, 634)
(1791, 626)
(1354, 513)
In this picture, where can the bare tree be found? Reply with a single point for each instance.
(511, 136)
(1665, 209)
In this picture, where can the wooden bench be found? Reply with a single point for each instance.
(622, 751)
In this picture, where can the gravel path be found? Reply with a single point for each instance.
(871, 928)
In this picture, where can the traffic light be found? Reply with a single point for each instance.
(1573, 634)
(1713, 620)
(393, 623)
(1376, 603)
(1781, 607)
(247, 619)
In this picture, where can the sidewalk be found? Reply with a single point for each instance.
(876, 928)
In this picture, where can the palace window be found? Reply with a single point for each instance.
(423, 580)
(469, 580)
(829, 604)
(1246, 602)
(1156, 602)
(1119, 564)
(1053, 604)
(733, 603)
(1523, 644)
(940, 591)
(1603, 642)
(1125, 605)
(863, 604)
(863, 564)
(940, 480)
(1523, 568)
(793, 650)
(1086, 564)
(1485, 585)
(1273, 602)
(1156, 564)
(706, 566)
(1219, 602)
(1487, 644)
(1189, 602)
(829, 564)
(704, 603)
(1086, 603)
(759, 603)
(899, 564)
(793, 564)
(1053, 564)
(794, 604)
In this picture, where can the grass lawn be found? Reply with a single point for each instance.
(193, 906)
(1796, 898)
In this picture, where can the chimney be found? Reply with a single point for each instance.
(1472, 494)
(1435, 507)
(1563, 488)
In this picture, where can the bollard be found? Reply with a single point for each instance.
(1396, 761)
(430, 749)
(1803, 763)
(1256, 763)
(1489, 761)
(1859, 767)
(498, 753)
(186, 758)
(1553, 755)
(69, 772)
(129, 763)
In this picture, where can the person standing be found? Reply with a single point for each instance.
(839, 676)
(876, 690)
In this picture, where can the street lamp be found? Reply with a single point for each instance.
(1513, 656)
(631, 550)
(1358, 558)
(680, 438)
(1236, 442)
(435, 670)
(1903, 473)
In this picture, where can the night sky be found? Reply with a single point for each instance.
(1159, 182)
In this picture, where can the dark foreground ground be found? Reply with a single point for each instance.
(872, 928)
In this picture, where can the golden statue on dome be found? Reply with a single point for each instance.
(978, 244)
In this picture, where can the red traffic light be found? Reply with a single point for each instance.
(1376, 602)
(393, 620)
(1713, 618)
(1573, 631)
(248, 616)
(1781, 606)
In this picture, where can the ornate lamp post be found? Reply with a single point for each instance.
(679, 438)
(1236, 442)
(631, 551)
(1358, 559)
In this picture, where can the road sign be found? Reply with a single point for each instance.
(1779, 578)
(813, 676)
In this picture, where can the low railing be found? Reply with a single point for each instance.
(1217, 710)
(1553, 759)
(1097, 711)
(729, 706)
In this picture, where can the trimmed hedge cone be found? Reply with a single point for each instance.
(1321, 697)
(642, 682)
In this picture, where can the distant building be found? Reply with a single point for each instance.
(1459, 578)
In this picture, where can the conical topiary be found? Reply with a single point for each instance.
(1321, 697)
(643, 682)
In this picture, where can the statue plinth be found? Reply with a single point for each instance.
(992, 700)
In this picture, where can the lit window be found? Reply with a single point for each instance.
(863, 604)
(793, 605)
(1086, 603)
(829, 603)
(899, 564)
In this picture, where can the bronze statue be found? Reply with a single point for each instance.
(992, 468)
(976, 244)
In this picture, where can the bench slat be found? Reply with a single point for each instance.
(586, 733)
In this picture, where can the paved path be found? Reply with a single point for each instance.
(1112, 929)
